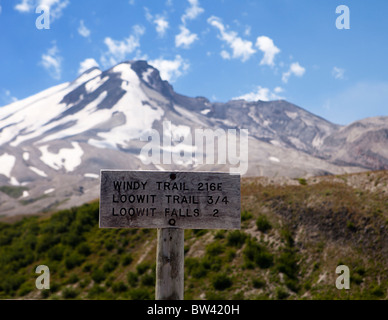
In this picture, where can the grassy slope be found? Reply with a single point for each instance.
(292, 239)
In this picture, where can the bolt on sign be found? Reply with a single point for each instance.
(160, 199)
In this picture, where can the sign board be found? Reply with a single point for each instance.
(161, 199)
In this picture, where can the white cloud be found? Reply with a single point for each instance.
(83, 30)
(55, 6)
(161, 25)
(295, 69)
(247, 31)
(193, 11)
(338, 73)
(87, 64)
(267, 46)
(225, 55)
(132, 2)
(52, 62)
(160, 22)
(185, 38)
(118, 50)
(263, 94)
(242, 49)
(278, 90)
(170, 70)
(24, 6)
(148, 14)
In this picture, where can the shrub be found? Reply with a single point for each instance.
(69, 293)
(142, 268)
(350, 225)
(246, 215)
(148, 280)
(109, 245)
(378, 291)
(25, 288)
(222, 282)
(73, 278)
(84, 249)
(140, 294)
(236, 238)
(195, 268)
(258, 254)
(288, 264)
(56, 253)
(220, 234)
(73, 238)
(281, 293)
(85, 282)
(127, 259)
(302, 181)
(95, 291)
(263, 224)
(230, 254)
(132, 279)
(214, 248)
(110, 264)
(87, 267)
(257, 283)
(98, 275)
(119, 287)
(74, 260)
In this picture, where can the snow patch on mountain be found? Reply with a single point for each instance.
(90, 112)
(66, 158)
(139, 116)
(86, 76)
(92, 175)
(146, 74)
(291, 115)
(31, 122)
(7, 163)
(26, 156)
(51, 190)
(38, 172)
(95, 83)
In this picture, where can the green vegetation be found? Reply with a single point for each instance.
(263, 224)
(302, 181)
(13, 191)
(291, 241)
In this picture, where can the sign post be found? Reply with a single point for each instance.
(170, 202)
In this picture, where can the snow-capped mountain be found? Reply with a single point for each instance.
(53, 144)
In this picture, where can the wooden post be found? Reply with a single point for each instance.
(170, 264)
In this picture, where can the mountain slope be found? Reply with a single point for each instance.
(292, 239)
(53, 144)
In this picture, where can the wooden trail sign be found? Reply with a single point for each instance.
(171, 202)
(155, 199)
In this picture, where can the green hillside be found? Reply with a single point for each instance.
(294, 234)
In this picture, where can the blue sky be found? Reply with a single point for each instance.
(220, 49)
